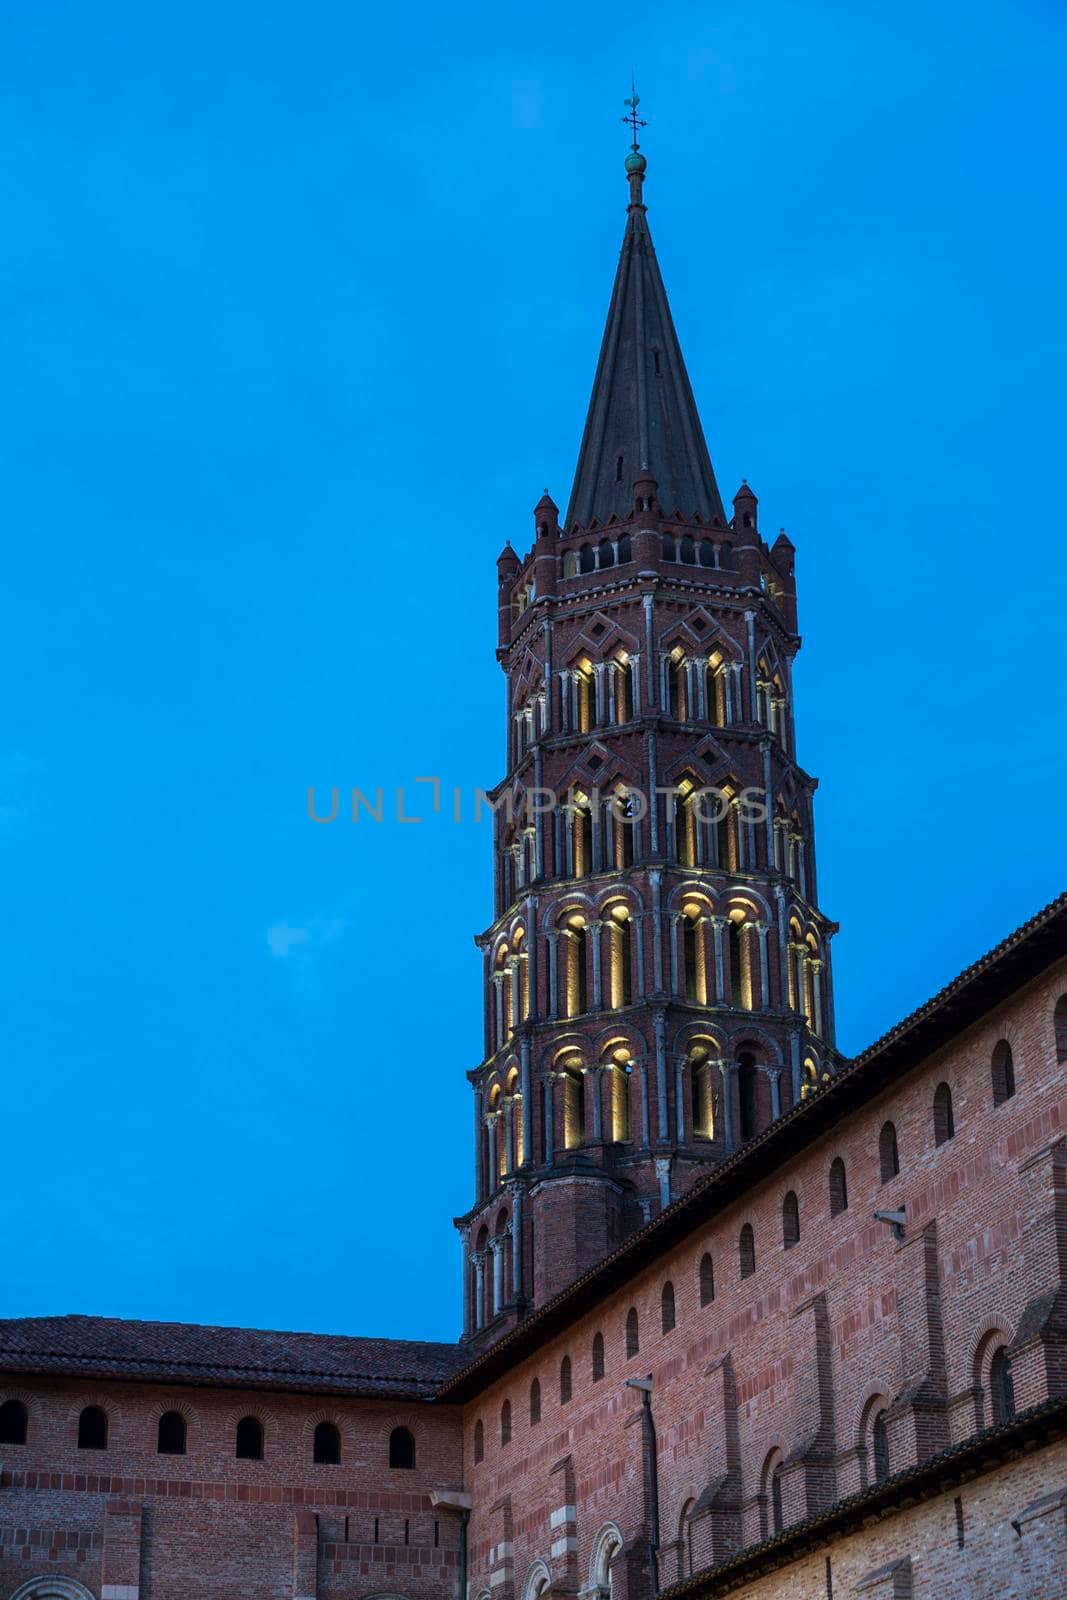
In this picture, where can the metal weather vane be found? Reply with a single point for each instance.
(633, 100)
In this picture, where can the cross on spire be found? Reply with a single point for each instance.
(633, 100)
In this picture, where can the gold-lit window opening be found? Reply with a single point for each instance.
(574, 942)
(694, 952)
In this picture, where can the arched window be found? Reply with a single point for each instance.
(633, 1342)
(625, 553)
(716, 690)
(1001, 1388)
(565, 1389)
(402, 1448)
(772, 1489)
(746, 1091)
(776, 1499)
(701, 1094)
(1059, 1027)
(598, 1357)
(573, 1106)
(326, 1449)
(677, 696)
(707, 553)
(726, 834)
(707, 1279)
(580, 823)
(619, 1089)
(505, 1423)
(587, 559)
(248, 1442)
(575, 967)
(838, 1187)
(620, 957)
(790, 1221)
(479, 1441)
(1003, 1069)
(687, 549)
(13, 1422)
(92, 1429)
(170, 1437)
(606, 554)
(880, 1447)
(535, 1402)
(666, 1307)
(726, 557)
(746, 1251)
(667, 547)
(696, 978)
(888, 1156)
(944, 1124)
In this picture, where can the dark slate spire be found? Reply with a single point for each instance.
(642, 407)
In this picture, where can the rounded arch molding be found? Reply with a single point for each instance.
(537, 1580)
(49, 1588)
(606, 1544)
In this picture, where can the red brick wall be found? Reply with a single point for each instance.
(221, 1527)
(805, 1343)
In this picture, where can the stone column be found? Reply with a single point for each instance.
(660, 1027)
(594, 1079)
(717, 926)
(635, 682)
(496, 1251)
(516, 1242)
(656, 880)
(794, 1063)
(479, 1289)
(750, 623)
(548, 1089)
(648, 602)
(816, 994)
(638, 920)
(492, 1125)
(675, 919)
(531, 955)
(646, 1123)
(549, 719)
(764, 970)
(734, 695)
(727, 1070)
(595, 930)
(516, 991)
(465, 1243)
(679, 1097)
(552, 935)
(776, 1094)
(498, 985)
(527, 1102)
(601, 699)
(509, 1133)
(653, 797)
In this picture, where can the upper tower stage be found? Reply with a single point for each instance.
(657, 982)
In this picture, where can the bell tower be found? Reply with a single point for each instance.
(657, 970)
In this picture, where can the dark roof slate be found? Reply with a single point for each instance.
(178, 1352)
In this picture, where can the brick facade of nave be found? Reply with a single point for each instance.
(786, 1368)
(676, 1173)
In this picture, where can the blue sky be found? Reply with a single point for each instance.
(303, 304)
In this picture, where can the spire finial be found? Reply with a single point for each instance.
(636, 164)
(633, 101)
